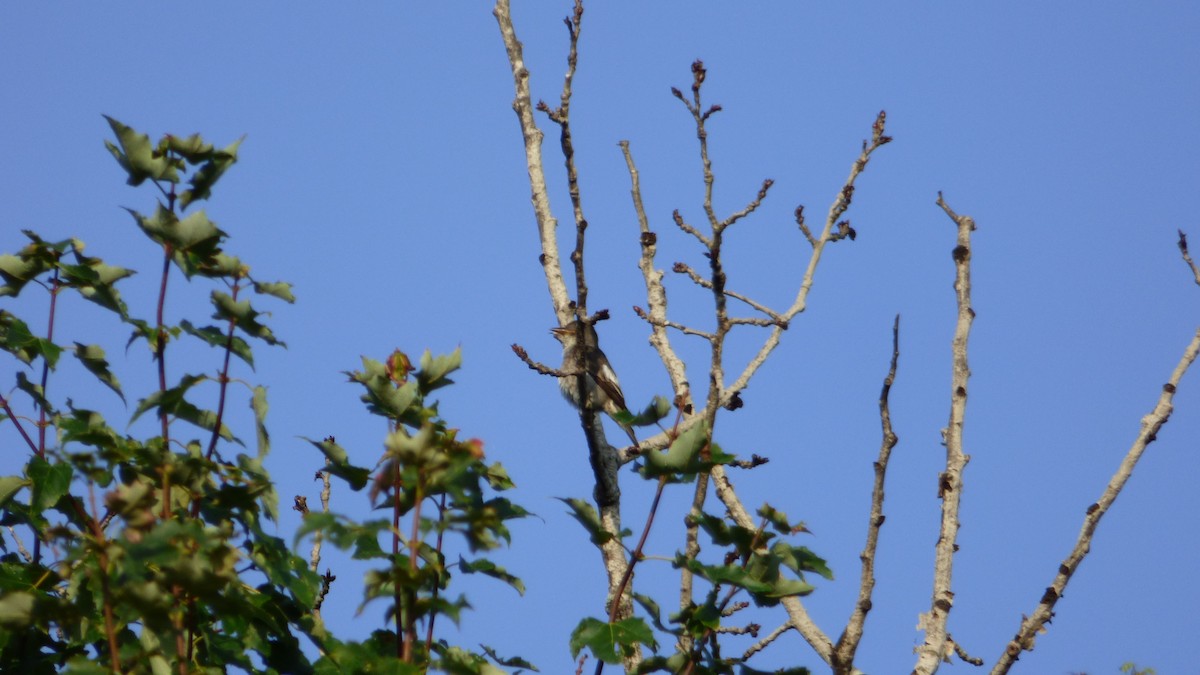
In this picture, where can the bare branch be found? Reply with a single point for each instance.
(682, 224)
(950, 481)
(803, 227)
(1151, 424)
(751, 321)
(656, 294)
(848, 643)
(20, 545)
(698, 75)
(749, 629)
(751, 207)
(539, 195)
(677, 326)
(692, 274)
(962, 653)
(541, 368)
(840, 204)
(771, 637)
(604, 460)
(684, 268)
(562, 116)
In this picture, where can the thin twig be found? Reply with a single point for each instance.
(634, 558)
(1183, 248)
(848, 643)
(751, 207)
(55, 289)
(20, 546)
(706, 284)
(771, 637)
(160, 357)
(4, 403)
(438, 549)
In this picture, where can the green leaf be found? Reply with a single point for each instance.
(95, 281)
(92, 358)
(18, 340)
(726, 534)
(10, 486)
(604, 639)
(210, 172)
(779, 520)
(89, 428)
(512, 662)
(138, 157)
(16, 609)
(20, 270)
(651, 607)
(217, 265)
(488, 568)
(243, 315)
(214, 337)
(35, 392)
(724, 574)
(799, 559)
(194, 234)
(459, 661)
(144, 331)
(172, 402)
(658, 408)
(383, 397)
(434, 370)
(49, 483)
(339, 464)
(258, 404)
(760, 577)
(193, 149)
(497, 477)
(683, 457)
(278, 289)
(586, 514)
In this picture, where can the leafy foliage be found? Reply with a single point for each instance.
(149, 553)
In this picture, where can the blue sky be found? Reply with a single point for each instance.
(383, 174)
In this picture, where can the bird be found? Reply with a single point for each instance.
(601, 384)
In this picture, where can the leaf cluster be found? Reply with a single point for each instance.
(147, 547)
(759, 563)
(437, 487)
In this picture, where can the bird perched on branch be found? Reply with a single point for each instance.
(601, 385)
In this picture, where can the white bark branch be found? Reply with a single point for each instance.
(935, 648)
(1151, 424)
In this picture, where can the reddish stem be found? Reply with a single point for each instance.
(17, 422)
(160, 350)
(109, 625)
(414, 546)
(223, 384)
(54, 289)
